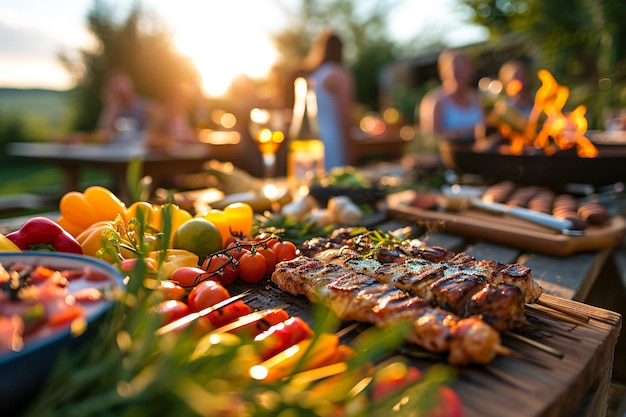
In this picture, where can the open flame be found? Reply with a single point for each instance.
(559, 131)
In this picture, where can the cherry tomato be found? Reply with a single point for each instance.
(238, 248)
(188, 276)
(206, 294)
(229, 313)
(284, 250)
(221, 268)
(270, 260)
(170, 290)
(171, 310)
(251, 267)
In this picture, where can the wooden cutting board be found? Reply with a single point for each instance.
(507, 230)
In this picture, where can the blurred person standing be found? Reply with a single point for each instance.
(334, 90)
(453, 111)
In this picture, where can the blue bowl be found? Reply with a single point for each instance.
(24, 372)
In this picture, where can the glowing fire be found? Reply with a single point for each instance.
(558, 131)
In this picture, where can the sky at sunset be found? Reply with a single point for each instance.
(33, 32)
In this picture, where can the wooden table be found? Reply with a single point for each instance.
(114, 159)
(575, 385)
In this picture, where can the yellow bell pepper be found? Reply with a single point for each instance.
(80, 210)
(92, 242)
(155, 215)
(7, 245)
(172, 259)
(240, 218)
(219, 219)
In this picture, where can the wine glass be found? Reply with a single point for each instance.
(267, 129)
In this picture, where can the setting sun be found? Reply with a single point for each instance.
(223, 42)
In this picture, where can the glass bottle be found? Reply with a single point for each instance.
(305, 159)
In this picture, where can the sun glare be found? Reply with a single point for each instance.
(223, 43)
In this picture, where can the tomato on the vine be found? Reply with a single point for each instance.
(284, 250)
(206, 294)
(251, 267)
(238, 248)
(221, 268)
(270, 260)
(188, 276)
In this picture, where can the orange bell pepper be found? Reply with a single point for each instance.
(154, 216)
(80, 210)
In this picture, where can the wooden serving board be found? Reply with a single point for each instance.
(507, 230)
(540, 384)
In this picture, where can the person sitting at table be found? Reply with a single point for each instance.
(175, 122)
(125, 115)
(453, 110)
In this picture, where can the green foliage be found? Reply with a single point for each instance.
(581, 42)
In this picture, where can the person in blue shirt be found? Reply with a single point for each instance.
(453, 110)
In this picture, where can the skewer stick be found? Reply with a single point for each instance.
(580, 316)
(557, 315)
(534, 343)
(506, 352)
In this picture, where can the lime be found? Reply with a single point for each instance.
(198, 236)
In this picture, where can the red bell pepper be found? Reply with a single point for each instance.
(281, 336)
(41, 233)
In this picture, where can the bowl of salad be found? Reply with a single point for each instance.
(349, 182)
(50, 302)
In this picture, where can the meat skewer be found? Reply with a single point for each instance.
(454, 289)
(361, 245)
(354, 296)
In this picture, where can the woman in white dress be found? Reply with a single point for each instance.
(334, 89)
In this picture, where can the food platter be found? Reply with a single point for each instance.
(25, 370)
(507, 230)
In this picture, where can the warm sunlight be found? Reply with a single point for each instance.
(224, 47)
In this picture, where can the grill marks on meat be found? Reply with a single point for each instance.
(454, 286)
(355, 296)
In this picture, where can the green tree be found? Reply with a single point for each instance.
(138, 44)
(582, 42)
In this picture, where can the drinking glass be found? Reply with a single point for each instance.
(267, 128)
